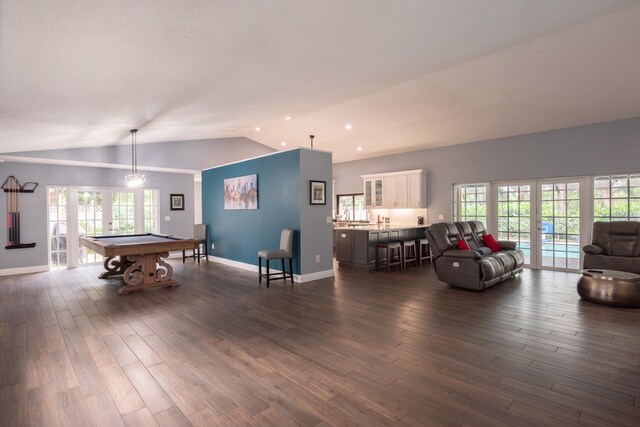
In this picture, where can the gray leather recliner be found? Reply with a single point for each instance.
(615, 246)
(477, 268)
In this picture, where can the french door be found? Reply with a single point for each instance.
(547, 219)
(93, 211)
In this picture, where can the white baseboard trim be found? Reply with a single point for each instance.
(316, 276)
(254, 268)
(236, 264)
(23, 270)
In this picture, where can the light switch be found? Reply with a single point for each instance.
(440, 217)
(167, 218)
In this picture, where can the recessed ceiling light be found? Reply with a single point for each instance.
(359, 148)
(258, 129)
(288, 118)
(283, 143)
(348, 126)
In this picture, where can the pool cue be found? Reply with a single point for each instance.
(9, 211)
(16, 211)
(9, 214)
(13, 215)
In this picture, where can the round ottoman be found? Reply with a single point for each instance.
(610, 287)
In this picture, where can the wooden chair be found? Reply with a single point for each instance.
(409, 253)
(201, 235)
(392, 255)
(424, 252)
(285, 252)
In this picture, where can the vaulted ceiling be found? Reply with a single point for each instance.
(404, 74)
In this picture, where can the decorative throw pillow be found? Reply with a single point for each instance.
(491, 243)
(463, 246)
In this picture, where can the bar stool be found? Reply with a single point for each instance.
(200, 235)
(390, 258)
(409, 253)
(285, 252)
(424, 251)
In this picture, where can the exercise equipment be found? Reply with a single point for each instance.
(12, 187)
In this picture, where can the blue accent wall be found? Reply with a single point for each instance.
(239, 234)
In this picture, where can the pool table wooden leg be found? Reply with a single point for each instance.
(148, 271)
(115, 266)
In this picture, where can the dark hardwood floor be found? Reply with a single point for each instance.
(364, 348)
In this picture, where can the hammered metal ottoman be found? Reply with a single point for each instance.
(610, 287)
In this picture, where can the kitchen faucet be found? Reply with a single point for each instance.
(347, 215)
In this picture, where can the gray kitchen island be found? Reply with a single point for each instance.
(355, 245)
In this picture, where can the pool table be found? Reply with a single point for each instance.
(138, 258)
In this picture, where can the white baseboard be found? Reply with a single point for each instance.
(23, 270)
(254, 268)
(236, 264)
(316, 276)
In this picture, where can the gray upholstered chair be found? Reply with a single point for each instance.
(200, 235)
(615, 246)
(285, 252)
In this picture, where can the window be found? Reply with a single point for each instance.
(351, 207)
(57, 227)
(514, 215)
(90, 221)
(470, 202)
(123, 212)
(616, 198)
(151, 208)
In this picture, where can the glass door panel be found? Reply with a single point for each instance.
(378, 192)
(93, 211)
(514, 215)
(91, 221)
(560, 224)
(123, 212)
(545, 218)
(57, 227)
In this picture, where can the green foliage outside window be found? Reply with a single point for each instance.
(616, 198)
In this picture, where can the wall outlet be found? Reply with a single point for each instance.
(167, 218)
(329, 220)
(440, 217)
(317, 258)
(213, 246)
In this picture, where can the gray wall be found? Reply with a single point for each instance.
(197, 155)
(316, 235)
(194, 155)
(33, 207)
(612, 147)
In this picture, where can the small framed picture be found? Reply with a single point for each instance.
(318, 193)
(177, 202)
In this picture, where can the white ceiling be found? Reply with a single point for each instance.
(406, 74)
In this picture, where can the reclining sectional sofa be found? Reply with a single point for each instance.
(615, 246)
(477, 268)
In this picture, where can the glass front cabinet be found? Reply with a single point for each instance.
(407, 189)
(373, 193)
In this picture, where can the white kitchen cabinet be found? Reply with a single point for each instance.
(373, 193)
(407, 189)
(395, 191)
(416, 190)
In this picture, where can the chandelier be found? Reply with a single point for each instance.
(134, 179)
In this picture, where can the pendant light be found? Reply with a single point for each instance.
(134, 179)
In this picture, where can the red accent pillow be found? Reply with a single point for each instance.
(491, 243)
(463, 246)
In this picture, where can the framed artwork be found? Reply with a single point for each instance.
(318, 193)
(177, 202)
(241, 192)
